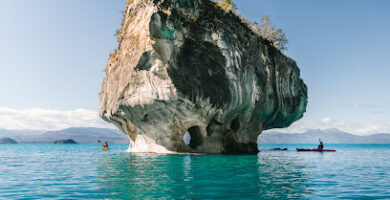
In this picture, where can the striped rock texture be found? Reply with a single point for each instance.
(189, 66)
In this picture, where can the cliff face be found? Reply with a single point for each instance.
(186, 65)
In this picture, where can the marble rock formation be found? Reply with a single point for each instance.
(189, 66)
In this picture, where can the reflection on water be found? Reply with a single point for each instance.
(281, 176)
(202, 177)
(48, 171)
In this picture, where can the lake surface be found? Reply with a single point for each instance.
(48, 171)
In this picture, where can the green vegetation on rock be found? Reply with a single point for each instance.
(265, 29)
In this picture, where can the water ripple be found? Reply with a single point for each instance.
(84, 172)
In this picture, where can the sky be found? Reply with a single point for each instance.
(52, 56)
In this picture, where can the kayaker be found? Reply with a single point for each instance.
(321, 145)
(105, 145)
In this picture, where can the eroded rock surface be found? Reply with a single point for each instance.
(187, 65)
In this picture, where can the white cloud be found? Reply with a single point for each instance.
(358, 128)
(44, 119)
(326, 120)
(297, 127)
(376, 127)
(333, 123)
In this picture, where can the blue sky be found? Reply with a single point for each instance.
(52, 56)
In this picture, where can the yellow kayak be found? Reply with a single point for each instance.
(103, 148)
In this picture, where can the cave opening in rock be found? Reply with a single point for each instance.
(187, 138)
(192, 137)
(235, 125)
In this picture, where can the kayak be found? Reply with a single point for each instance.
(317, 150)
(104, 148)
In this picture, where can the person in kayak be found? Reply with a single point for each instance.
(105, 145)
(321, 145)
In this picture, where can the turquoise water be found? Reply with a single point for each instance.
(49, 171)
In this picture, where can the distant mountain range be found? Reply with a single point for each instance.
(328, 136)
(115, 136)
(80, 135)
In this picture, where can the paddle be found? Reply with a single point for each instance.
(100, 142)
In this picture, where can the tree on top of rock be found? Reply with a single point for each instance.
(270, 33)
(227, 5)
(266, 30)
